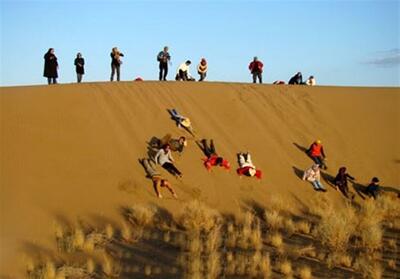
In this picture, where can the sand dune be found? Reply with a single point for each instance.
(72, 150)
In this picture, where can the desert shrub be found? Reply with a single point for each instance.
(274, 219)
(198, 217)
(305, 272)
(140, 215)
(285, 267)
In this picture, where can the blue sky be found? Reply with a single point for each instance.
(339, 42)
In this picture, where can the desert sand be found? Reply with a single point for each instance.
(71, 151)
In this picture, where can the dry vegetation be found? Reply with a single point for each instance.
(206, 245)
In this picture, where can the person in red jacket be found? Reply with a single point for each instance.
(212, 157)
(256, 69)
(246, 166)
(317, 154)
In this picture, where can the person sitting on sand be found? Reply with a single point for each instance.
(164, 159)
(317, 154)
(212, 157)
(246, 166)
(296, 79)
(373, 189)
(183, 72)
(256, 69)
(202, 69)
(176, 145)
(158, 180)
(314, 176)
(340, 182)
(311, 81)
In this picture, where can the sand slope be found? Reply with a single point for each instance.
(72, 150)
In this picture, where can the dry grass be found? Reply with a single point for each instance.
(392, 243)
(276, 240)
(126, 232)
(213, 265)
(289, 226)
(285, 267)
(392, 264)
(303, 227)
(339, 259)
(109, 231)
(90, 266)
(308, 251)
(274, 219)
(147, 270)
(198, 217)
(265, 266)
(141, 215)
(305, 272)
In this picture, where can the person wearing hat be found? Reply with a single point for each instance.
(246, 166)
(256, 69)
(313, 175)
(373, 188)
(183, 72)
(311, 81)
(317, 154)
(163, 58)
(165, 160)
(202, 69)
(340, 181)
(296, 79)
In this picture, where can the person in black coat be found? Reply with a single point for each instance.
(341, 181)
(50, 66)
(296, 79)
(115, 63)
(79, 67)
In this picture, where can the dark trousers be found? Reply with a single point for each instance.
(182, 75)
(171, 169)
(257, 75)
(79, 77)
(202, 76)
(320, 161)
(208, 150)
(163, 71)
(115, 68)
(51, 80)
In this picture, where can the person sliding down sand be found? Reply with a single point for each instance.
(317, 154)
(246, 166)
(181, 121)
(158, 181)
(313, 175)
(340, 182)
(176, 145)
(164, 159)
(212, 157)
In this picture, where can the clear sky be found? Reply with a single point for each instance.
(339, 42)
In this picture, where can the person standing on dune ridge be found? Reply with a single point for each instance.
(115, 63)
(79, 67)
(256, 69)
(163, 58)
(50, 66)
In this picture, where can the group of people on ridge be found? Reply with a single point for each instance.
(164, 60)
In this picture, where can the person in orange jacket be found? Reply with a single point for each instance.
(317, 154)
(212, 157)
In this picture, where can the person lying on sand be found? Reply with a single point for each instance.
(158, 180)
(212, 157)
(176, 145)
(314, 176)
(246, 166)
(181, 121)
(317, 154)
(164, 159)
(340, 182)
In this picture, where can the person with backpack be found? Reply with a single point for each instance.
(50, 66)
(340, 181)
(163, 58)
(116, 63)
(165, 160)
(202, 69)
(256, 69)
(313, 175)
(317, 154)
(79, 67)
